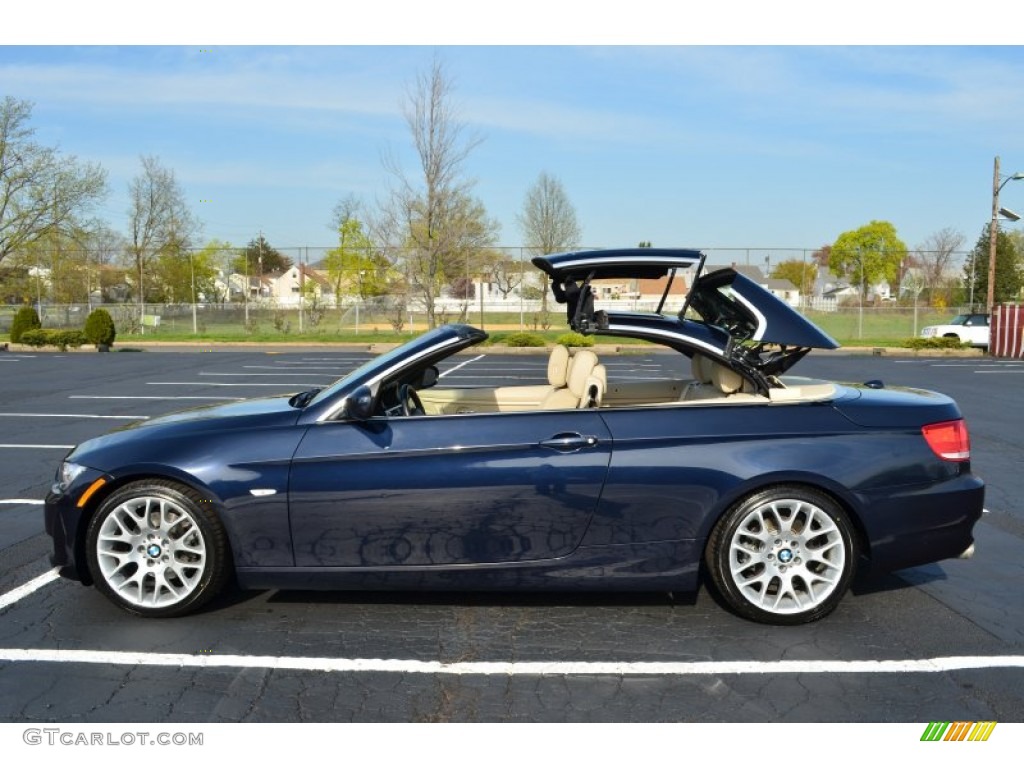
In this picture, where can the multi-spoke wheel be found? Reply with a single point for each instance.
(784, 555)
(156, 549)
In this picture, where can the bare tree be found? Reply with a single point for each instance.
(347, 209)
(159, 220)
(548, 220)
(41, 193)
(434, 216)
(506, 274)
(935, 257)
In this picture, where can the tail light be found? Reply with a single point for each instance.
(949, 440)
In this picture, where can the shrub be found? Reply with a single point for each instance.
(523, 339)
(573, 339)
(99, 328)
(53, 337)
(935, 342)
(25, 319)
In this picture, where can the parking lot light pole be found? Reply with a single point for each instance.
(993, 232)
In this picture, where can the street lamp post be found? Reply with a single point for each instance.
(192, 271)
(993, 231)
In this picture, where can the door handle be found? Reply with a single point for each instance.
(566, 442)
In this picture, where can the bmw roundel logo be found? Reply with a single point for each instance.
(153, 550)
(785, 556)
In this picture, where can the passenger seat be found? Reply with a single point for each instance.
(580, 378)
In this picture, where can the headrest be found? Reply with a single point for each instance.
(558, 366)
(701, 368)
(726, 380)
(582, 366)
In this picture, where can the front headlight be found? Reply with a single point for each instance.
(66, 475)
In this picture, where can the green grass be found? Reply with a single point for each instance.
(875, 328)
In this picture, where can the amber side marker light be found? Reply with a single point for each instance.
(84, 498)
(949, 440)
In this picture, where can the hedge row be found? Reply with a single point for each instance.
(935, 342)
(26, 329)
(53, 337)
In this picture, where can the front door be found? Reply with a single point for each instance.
(443, 490)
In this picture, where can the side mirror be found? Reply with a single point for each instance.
(360, 404)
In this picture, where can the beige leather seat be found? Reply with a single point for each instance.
(580, 375)
(558, 366)
(711, 379)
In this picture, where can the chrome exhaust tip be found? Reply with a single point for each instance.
(967, 554)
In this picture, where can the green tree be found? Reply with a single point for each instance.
(868, 255)
(1009, 275)
(802, 274)
(352, 267)
(41, 192)
(260, 258)
(183, 273)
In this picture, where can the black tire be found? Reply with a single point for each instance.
(157, 548)
(783, 555)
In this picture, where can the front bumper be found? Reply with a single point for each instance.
(65, 521)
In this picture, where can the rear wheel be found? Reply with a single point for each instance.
(156, 548)
(784, 555)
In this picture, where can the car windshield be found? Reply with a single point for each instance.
(442, 340)
(373, 363)
(959, 320)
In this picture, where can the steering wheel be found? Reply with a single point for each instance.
(407, 397)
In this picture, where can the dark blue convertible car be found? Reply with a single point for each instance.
(773, 487)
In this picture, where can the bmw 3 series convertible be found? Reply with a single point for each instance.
(771, 489)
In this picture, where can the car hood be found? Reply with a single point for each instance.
(726, 314)
(254, 407)
(268, 411)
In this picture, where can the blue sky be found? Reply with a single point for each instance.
(754, 146)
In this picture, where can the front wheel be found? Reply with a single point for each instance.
(157, 549)
(784, 555)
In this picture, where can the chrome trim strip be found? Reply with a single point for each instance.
(670, 335)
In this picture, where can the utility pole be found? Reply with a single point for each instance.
(993, 232)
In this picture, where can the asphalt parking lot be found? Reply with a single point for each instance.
(938, 643)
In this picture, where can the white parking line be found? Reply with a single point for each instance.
(21, 501)
(26, 589)
(226, 384)
(510, 668)
(69, 416)
(204, 373)
(298, 367)
(504, 668)
(150, 397)
(36, 445)
(460, 365)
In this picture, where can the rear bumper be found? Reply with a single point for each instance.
(914, 526)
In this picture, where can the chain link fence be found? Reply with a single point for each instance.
(497, 289)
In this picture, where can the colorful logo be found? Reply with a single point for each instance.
(960, 731)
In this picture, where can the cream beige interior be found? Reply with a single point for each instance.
(580, 381)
